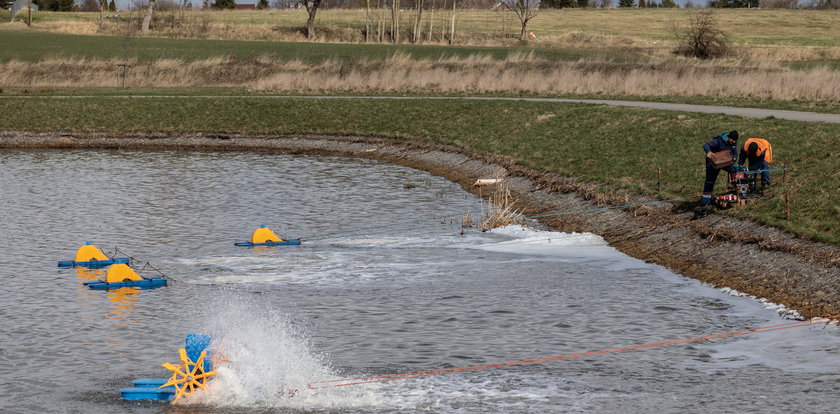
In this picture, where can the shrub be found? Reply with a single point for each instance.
(701, 38)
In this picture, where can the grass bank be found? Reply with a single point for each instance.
(618, 148)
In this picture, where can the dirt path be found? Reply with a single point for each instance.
(723, 251)
(708, 109)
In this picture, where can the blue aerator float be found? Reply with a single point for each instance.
(192, 374)
(91, 256)
(120, 275)
(263, 236)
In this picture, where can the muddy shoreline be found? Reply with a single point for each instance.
(719, 250)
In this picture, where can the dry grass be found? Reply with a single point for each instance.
(500, 210)
(520, 73)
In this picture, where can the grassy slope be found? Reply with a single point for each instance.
(618, 147)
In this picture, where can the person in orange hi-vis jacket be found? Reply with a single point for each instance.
(760, 154)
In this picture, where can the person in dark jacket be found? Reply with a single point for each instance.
(725, 141)
(760, 154)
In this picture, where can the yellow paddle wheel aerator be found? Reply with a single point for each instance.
(187, 377)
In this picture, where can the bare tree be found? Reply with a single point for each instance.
(701, 38)
(525, 10)
(311, 9)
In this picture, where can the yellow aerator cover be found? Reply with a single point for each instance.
(121, 272)
(89, 252)
(264, 234)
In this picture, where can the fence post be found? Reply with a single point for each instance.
(784, 173)
(787, 206)
(659, 178)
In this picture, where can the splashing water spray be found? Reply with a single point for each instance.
(257, 358)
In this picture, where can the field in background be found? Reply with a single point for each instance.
(37, 62)
(626, 27)
(788, 56)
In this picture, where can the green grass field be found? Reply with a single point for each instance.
(619, 148)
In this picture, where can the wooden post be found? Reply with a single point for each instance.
(29, 11)
(784, 173)
(787, 206)
(659, 179)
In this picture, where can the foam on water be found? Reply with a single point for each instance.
(548, 243)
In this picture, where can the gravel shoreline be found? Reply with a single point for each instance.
(718, 250)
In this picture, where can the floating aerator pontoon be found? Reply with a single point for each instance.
(263, 236)
(90, 256)
(120, 275)
(191, 375)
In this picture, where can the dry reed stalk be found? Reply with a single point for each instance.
(499, 211)
(467, 220)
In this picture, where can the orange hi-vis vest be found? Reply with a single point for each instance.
(763, 145)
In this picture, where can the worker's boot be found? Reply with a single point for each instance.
(700, 212)
(766, 188)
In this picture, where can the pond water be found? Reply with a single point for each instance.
(382, 284)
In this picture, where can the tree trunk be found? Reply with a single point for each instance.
(395, 21)
(452, 30)
(522, 33)
(417, 21)
(367, 21)
(311, 8)
(148, 19)
(431, 21)
(443, 21)
(183, 4)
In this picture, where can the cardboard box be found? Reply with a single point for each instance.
(722, 159)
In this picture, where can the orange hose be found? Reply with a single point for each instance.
(420, 374)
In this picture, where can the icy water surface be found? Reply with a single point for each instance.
(382, 285)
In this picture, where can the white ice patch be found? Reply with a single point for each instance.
(269, 363)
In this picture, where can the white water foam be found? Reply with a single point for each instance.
(548, 243)
(269, 362)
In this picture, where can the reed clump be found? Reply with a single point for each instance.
(500, 209)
